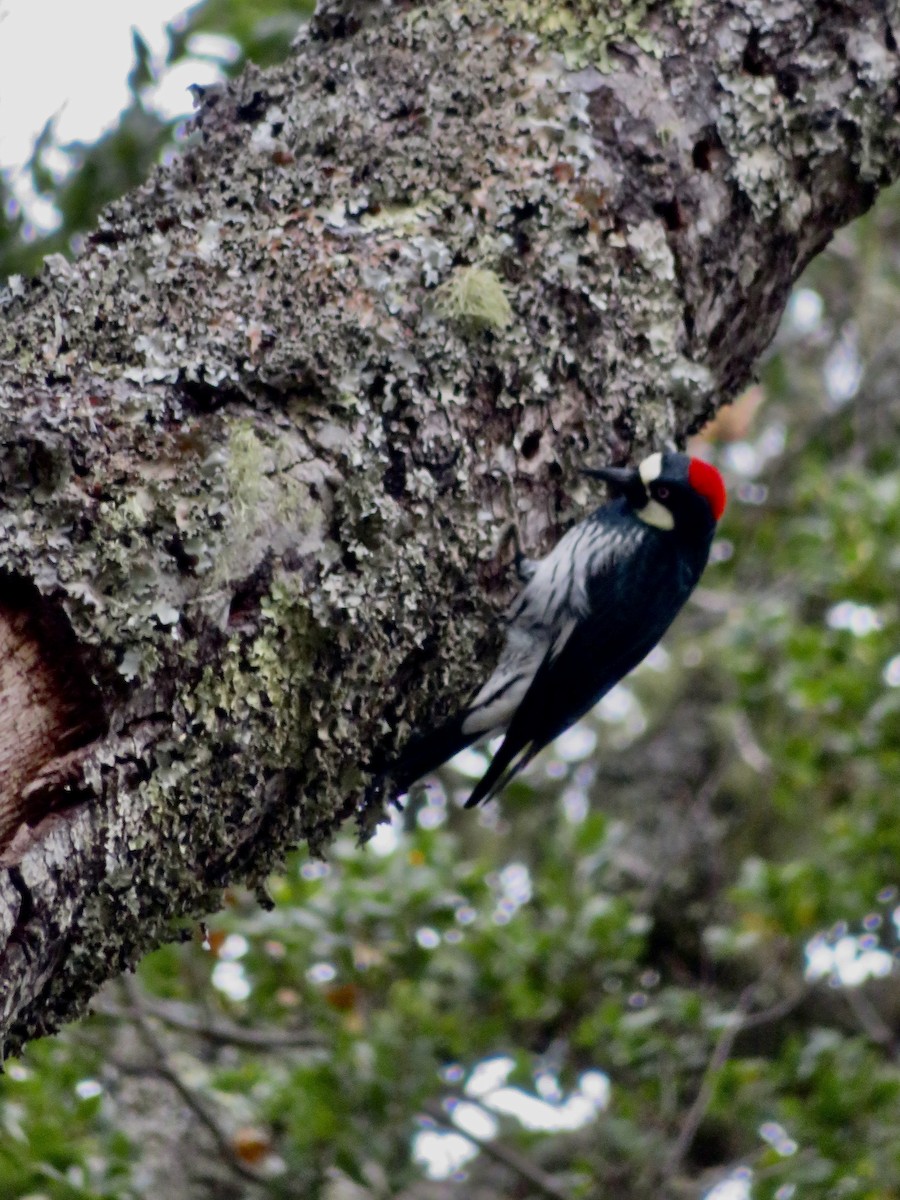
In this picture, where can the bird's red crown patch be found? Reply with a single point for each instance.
(705, 479)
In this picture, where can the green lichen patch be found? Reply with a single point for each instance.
(252, 695)
(585, 31)
(475, 296)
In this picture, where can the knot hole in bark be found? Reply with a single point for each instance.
(50, 709)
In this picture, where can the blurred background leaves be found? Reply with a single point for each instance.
(665, 964)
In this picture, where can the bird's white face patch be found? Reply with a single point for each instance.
(650, 469)
(654, 513)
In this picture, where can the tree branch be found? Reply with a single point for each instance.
(506, 1155)
(740, 1020)
(162, 1067)
(183, 1018)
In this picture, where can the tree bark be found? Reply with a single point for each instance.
(260, 438)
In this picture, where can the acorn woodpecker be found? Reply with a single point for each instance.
(588, 614)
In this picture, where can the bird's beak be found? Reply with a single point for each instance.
(623, 481)
(619, 477)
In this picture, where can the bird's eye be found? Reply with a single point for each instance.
(662, 493)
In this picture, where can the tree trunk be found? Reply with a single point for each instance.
(260, 439)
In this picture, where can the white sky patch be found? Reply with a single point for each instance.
(549, 1110)
(547, 1086)
(442, 1154)
(859, 619)
(658, 659)
(892, 672)
(432, 816)
(773, 440)
(386, 837)
(516, 883)
(743, 458)
(472, 1118)
(470, 763)
(595, 1085)
(437, 797)
(617, 705)
(234, 947)
(735, 1187)
(804, 312)
(620, 707)
(553, 768)
(575, 805)
(748, 459)
(231, 979)
(722, 550)
(576, 743)
(536, 1114)
(778, 1138)
(321, 972)
(489, 1075)
(315, 869)
(849, 961)
(753, 493)
(843, 370)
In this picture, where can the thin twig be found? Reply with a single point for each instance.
(870, 1020)
(738, 1021)
(227, 1033)
(164, 1069)
(503, 1154)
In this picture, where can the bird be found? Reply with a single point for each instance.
(588, 613)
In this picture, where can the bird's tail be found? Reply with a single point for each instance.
(425, 752)
(506, 763)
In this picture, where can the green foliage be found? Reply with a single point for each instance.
(262, 29)
(56, 1137)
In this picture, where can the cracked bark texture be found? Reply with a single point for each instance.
(258, 441)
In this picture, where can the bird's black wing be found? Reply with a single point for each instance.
(587, 658)
(425, 752)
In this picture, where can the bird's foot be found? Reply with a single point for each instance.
(525, 567)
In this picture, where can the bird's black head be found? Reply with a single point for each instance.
(669, 490)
